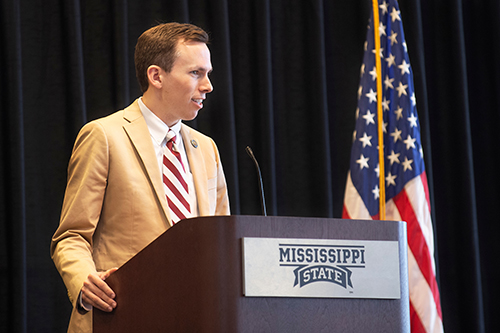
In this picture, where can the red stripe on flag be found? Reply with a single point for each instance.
(417, 244)
(345, 213)
(416, 323)
(423, 177)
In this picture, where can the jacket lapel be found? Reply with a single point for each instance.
(139, 135)
(197, 166)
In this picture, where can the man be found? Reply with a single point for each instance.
(119, 194)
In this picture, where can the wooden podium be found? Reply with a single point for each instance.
(190, 280)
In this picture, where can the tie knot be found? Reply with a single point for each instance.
(171, 136)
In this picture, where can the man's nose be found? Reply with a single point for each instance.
(206, 85)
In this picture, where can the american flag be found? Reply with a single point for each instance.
(407, 195)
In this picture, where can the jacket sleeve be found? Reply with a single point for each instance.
(71, 246)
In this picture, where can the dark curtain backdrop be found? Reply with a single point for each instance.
(285, 76)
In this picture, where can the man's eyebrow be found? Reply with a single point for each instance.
(204, 69)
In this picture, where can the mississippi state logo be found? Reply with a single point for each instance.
(327, 268)
(322, 263)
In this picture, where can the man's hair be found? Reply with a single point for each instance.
(158, 46)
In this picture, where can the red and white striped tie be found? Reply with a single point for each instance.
(174, 180)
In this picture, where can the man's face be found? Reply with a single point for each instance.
(184, 89)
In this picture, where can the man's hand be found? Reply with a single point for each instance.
(97, 293)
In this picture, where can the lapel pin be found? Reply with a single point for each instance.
(194, 143)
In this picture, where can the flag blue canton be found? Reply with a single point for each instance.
(402, 145)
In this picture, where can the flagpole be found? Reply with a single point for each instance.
(380, 118)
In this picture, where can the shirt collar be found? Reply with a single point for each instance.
(156, 126)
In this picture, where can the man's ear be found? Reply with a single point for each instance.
(154, 76)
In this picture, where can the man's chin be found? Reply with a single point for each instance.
(191, 116)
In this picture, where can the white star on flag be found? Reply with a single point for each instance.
(369, 117)
(402, 89)
(366, 140)
(404, 67)
(363, 162)
(372, 95)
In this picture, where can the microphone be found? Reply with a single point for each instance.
(262, 200)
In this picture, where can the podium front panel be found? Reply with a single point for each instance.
(190, 279)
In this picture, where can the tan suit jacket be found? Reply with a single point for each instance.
(115, 203)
